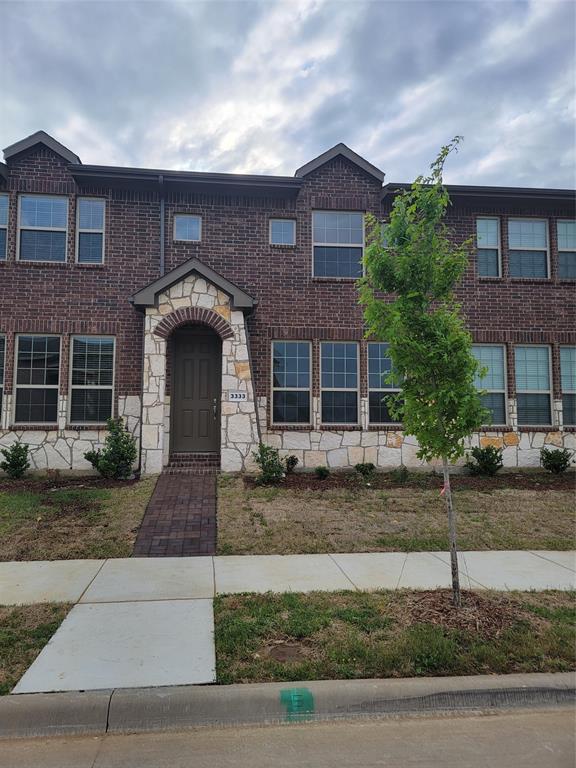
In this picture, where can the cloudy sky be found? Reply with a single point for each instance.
(263, 87)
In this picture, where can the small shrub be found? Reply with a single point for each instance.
(272, 468)
(322, 472)
(16, 460)
(400, 475)
(555, 460)
(487, 461)
(366, 471)
(291, 464)
(115, 460)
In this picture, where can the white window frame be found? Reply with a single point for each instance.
(498, 247)
(281, 245)
(563, 250)
(546, 223)
(4, 256)
(387, 390)
(335, 425)
(188, 215)
(505, 373)
(339, 245)
(90, 231)
(36, 386)
(19, 229)
(89, 386)
(536, 391)
(273, 389)
(562, 390)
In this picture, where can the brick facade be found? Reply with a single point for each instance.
(70, 298)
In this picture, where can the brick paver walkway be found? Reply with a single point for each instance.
(180, 519)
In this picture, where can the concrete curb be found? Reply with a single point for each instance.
(179, 708)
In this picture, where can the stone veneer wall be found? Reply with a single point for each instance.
(239, 429)
(391, 448)
(64, 448)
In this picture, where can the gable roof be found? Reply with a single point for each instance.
(343, 151)
(147, 297)
(41, 137)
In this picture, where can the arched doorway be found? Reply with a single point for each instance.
(196, 386)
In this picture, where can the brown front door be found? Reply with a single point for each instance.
(196, 388)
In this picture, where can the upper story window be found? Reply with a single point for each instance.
(568, 381)
(2, 356)
(338, 240)
(291, 382)
(339, 382)
(3, 225)
(90, 231)
(533, 390)
(566, 249)
(92, 379)
(187, 227)
(528, 247)
(282, 232)
(379, 368)
(43, 228)
(488, 242)
(37, 379)
(491, 356)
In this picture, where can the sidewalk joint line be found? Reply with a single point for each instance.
(402, 570)
(92, 581)
(549, 560)
(343, 572)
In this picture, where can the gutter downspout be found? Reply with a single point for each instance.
(162, 224)
(248, 347)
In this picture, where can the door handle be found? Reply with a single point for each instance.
(215, 408)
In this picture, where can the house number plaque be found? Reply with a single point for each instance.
(237, 396)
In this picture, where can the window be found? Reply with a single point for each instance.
(2, 356)
(43, 228)
(528, 247)
(491, 356)
(90, 231)
(338, 244)
(379, 367)
(488, 241)
(291, 382)
(187, 227)
(339, 382)
(282, 232)
(92, 379)
(37, 379)
(3, 225)
(533, 385)
(568, 381)
(567, 249)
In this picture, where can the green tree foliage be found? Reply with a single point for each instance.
(417, 262)
(16, 460)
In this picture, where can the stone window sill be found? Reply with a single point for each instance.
(33, 428)
(539, 428)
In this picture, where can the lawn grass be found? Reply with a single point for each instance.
(70, 519)
(347, 635)
(355, 518)
(24, 631)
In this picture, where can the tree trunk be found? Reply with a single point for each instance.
(452, 530)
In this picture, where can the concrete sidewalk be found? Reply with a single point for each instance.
(181, 578)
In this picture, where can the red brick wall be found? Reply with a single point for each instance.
(71, 298)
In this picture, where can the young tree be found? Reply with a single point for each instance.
(418, 261)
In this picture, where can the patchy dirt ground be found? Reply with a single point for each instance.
(68, 518)
(262, 638)
(347, 516)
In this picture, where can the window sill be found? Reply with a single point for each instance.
(538, 428)
(33, 427)
(340, 427)
(335, 279)
(44, 263)
(282, 245)
(90, 266)
(496, 428)
(290, 427)
(385, 427)
(530, 280)
(85, 427)
(569, 428)
(490, 278)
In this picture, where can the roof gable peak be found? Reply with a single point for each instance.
(41, 137)
(343, 151)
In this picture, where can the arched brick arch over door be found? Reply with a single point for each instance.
(188, 315)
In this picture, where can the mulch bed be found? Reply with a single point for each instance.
(43, 483)
(383, 480)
